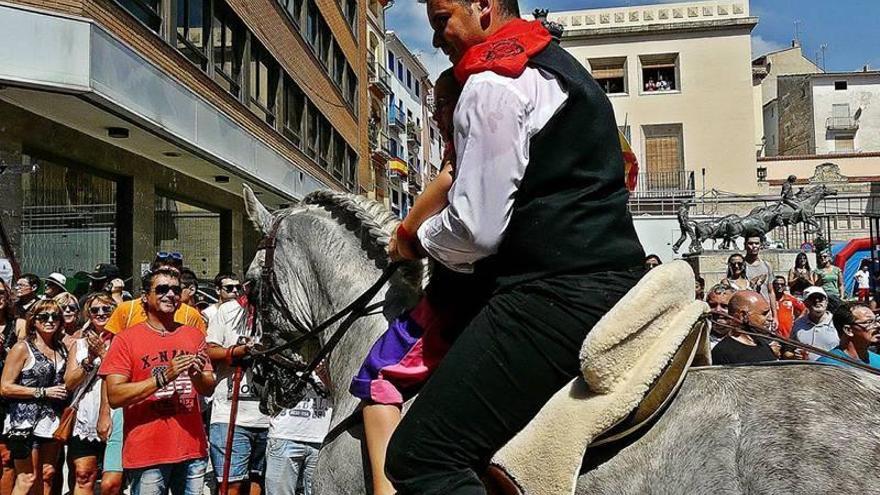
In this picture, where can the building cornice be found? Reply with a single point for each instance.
(745, 23)
(830, 158)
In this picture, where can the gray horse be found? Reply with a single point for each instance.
(750, 430)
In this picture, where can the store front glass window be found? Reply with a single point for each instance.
(68, 220)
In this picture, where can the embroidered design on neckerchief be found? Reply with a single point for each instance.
(506, 52)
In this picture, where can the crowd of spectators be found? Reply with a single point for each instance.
(805, 306)
(135, 391)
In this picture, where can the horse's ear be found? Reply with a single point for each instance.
(259, 215)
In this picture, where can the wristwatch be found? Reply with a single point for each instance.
(39, 393)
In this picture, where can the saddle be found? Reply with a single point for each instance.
(633, 361)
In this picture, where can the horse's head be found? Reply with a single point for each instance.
(316, 258)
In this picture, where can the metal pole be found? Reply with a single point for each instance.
(230, 431)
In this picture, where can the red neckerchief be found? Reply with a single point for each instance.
(506, 52)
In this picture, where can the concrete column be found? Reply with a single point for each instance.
(143, 226)
(11, 196)
(237, 262)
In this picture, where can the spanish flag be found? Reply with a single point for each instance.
(630, 163)
(397, 166)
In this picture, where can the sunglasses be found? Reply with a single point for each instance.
(44, 317)
(100, 310)
(164, 289)
(867, 325)
(169, 255)
(736, 263)
(70, 308)
(232, 288)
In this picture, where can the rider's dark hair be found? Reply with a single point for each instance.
(509, 8)
(844, 316)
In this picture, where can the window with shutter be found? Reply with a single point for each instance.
(610, 73)
(664, 164)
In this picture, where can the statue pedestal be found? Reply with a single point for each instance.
(712, 265)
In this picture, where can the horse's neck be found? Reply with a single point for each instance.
(347, 357)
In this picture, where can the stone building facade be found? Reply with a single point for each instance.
(162, 109)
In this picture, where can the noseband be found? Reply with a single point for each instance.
(270, 296)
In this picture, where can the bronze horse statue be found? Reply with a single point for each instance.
(757, 223)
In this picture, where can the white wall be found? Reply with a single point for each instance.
(715, 103)
(863, 92)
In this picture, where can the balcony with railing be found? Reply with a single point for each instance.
(380, 79)
(679, 183)
(396, 119)
(414, 178)
(380, 146)
(842, 124)
(413, 132)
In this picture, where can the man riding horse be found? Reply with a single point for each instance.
(788, 197)
(539, 205)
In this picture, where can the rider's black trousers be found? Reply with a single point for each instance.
(519, 350)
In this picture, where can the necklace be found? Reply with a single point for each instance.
(161, 331)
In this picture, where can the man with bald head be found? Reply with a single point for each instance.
(748, 310)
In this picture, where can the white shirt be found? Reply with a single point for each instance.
(308, 422)
(863, 279)
(224, 329)
(822, 335)
(495, 119)
(86, 425)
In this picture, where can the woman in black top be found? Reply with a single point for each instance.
(7, 340)
(32, 383)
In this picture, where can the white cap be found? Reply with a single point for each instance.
(57, 279)
(809, 291)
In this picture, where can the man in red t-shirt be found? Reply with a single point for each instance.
(789, 308)
(155, 370)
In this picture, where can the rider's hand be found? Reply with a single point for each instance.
(116, 286)
(394, 248)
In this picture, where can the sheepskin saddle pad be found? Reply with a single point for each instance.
(632, 361)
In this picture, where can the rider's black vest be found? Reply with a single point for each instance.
(570, 212)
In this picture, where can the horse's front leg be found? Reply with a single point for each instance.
(679, 242)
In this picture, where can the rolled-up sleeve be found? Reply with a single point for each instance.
(492, 146)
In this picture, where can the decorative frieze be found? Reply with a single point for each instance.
(683, 12)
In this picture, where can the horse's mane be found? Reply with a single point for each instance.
(372, 222)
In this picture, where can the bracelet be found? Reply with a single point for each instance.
(161, 381)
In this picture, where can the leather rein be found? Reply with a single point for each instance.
(270, 296)
(756, 332)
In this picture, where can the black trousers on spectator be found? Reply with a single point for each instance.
(519, 350)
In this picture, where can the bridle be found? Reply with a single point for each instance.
(269, 296)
